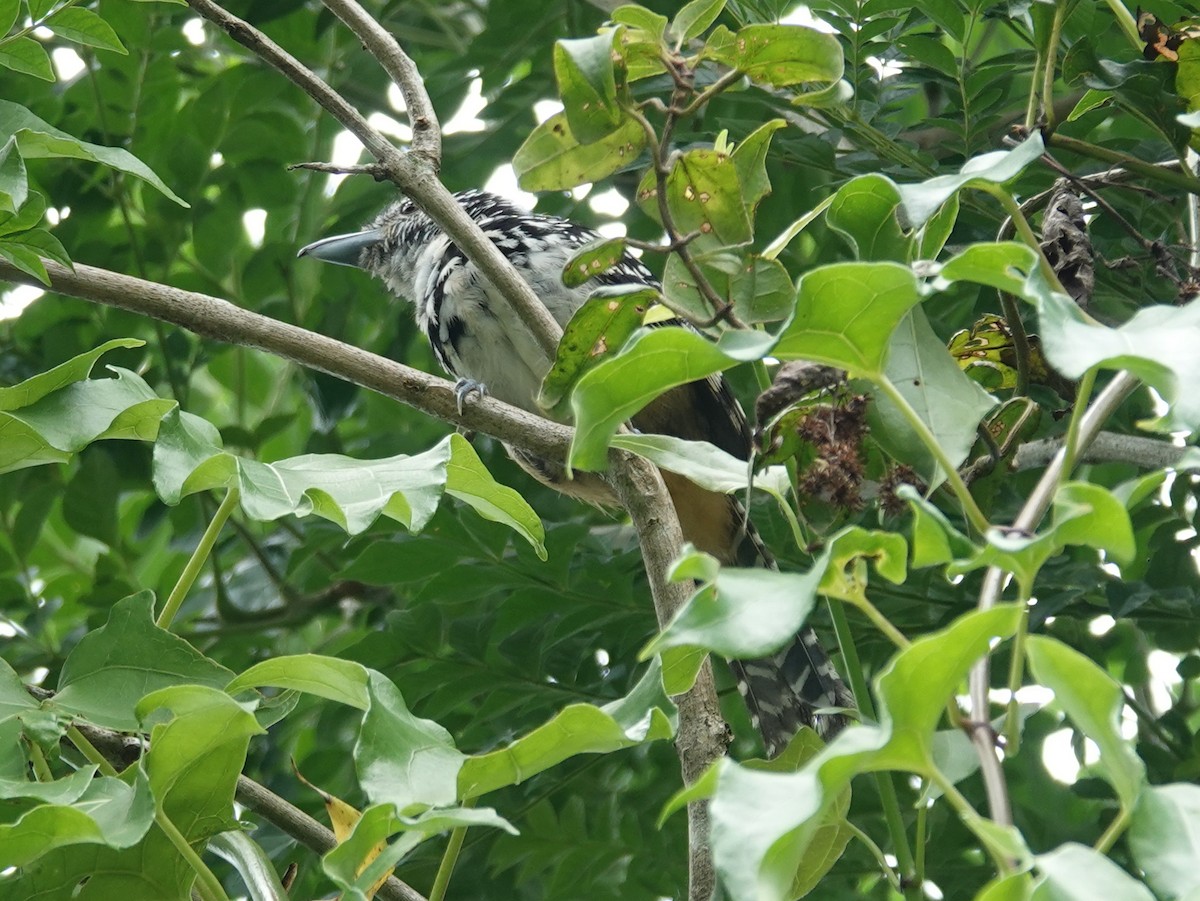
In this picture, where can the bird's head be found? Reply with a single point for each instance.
(387, 248)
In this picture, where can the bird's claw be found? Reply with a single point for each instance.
(464, 388)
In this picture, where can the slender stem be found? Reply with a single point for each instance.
(446, 869)
(1051, 61)
(89, 750)
(207, 884)
(729, 78)
(877, 853)
(41, 767)
(196, 563)
(971, 509)
(883, 779)
(882, 623)
(1127, 22)
(1177, 180)
(970, 818)
(1114, 830)
(1070, 450)
(1016, 672)
(922, 814)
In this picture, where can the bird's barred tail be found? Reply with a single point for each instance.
(785, 690)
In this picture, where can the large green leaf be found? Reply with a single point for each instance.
(645, 714)
(1093, 701)
(587, 84)
(846, 314)
(188, 458)
(553, 159)
(402, 759)
(114, 667)
(37, 138)
(1075, 872)
(1164, 837)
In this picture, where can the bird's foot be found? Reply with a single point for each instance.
(464, 388)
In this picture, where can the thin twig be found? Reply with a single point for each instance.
(376, 171)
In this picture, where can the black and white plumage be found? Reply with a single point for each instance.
(477, 337)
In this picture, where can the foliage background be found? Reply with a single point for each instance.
(481, 635)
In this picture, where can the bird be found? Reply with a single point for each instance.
(479, 339)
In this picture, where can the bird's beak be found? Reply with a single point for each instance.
(345, 250)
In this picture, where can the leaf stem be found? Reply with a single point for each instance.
(1050, 68)
(883, 779)
(1025, 230)
(971, 509)
(196, 563)
(446, 868)
(1178, 180)
(41, 767)
(89, 750)
(1016, 671)
(1126, 21)
(207, 885)
(869, 843)
(970, 817)
(1113, 832)
(1070, 451)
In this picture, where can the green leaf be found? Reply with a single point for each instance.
(1093, 701)
(14, 699)
(652, 362)
(1084, 514)
(764, 823)
(844, 562)
(1164, 838)
(114, 667)
(553, 159)
(1148, 344)
(946, 400)
(705, 464)
(37, 138)
(846, 315)
(85, 411)
(781, 55)
(40, 242)
(704, 194)
(695, 18)
(107, 812)
(9, 10)
(596, 331)
(593, 259)
(743, 612)
(469, 481)
(922, 200)
(400, 758)
(645, 714)
(750, 159)
(760, 289)
(85, 27)
(1073, 872)
(588, 86)
(864, 212)
(326, 677)
(352, 493)
(29, 215)
(935, 540)
(639, 17)
(28, 56)
(14, 187)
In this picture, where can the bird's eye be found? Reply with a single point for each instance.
(407, 207)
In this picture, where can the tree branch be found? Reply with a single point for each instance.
(211, 317)
(1109, 447)
(427, 134)
(703, 735)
